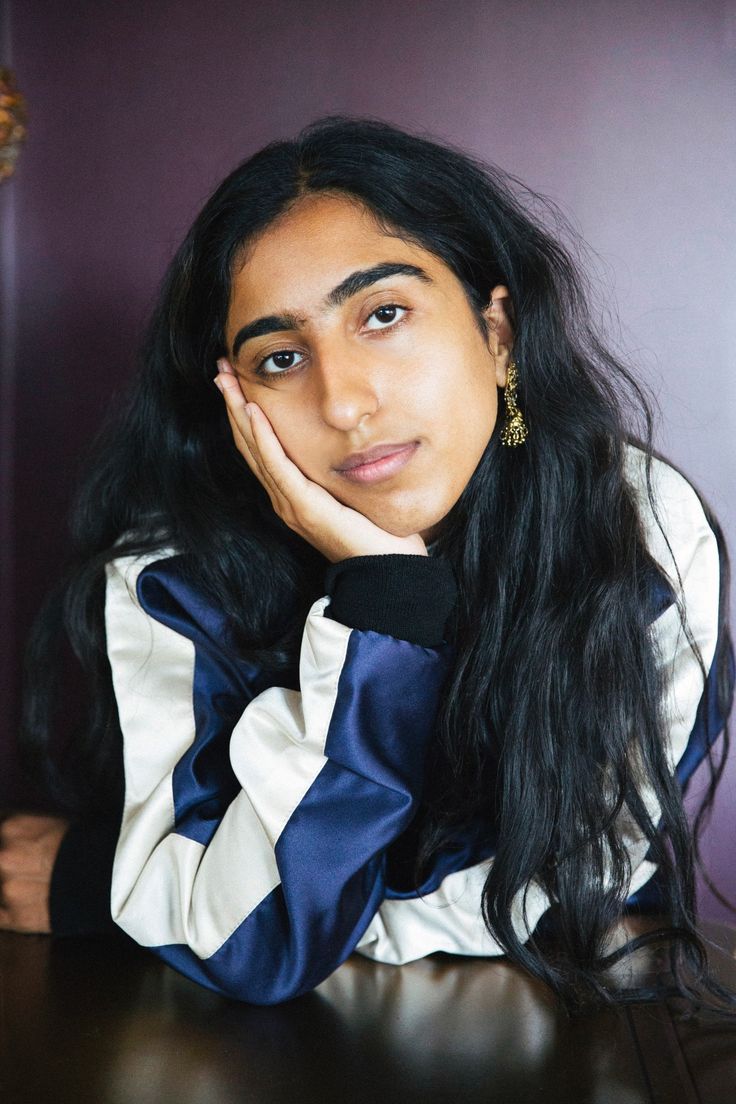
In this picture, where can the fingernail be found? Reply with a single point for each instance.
(223, 365)
(217, 384)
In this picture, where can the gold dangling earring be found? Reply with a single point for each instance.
(514, 431)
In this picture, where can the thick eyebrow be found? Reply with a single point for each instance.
(351, 285)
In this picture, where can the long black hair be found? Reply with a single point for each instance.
(555, 684)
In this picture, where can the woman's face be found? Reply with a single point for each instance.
(388, 360)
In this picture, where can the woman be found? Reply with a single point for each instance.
(446, 699)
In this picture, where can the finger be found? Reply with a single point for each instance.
(263, 446)
(32, 863)
(229, 384)
(235, 404)
(12, 828)
(28, 826)
(34, 919)
(240, 442)
(294, 496)
(239, 422)
(289, 482)
(290, 491)
(250, 454)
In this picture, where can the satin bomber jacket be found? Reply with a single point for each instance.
(257, 817)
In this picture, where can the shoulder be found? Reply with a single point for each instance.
(682, 541)
(674, 523)
(125, 570)
(158, 602)
(125, 575)
(164, 586)
(128, 625)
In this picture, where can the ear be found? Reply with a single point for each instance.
(499, 314)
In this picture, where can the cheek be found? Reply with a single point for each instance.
(451, 402)
(301, 447)
(469, 418)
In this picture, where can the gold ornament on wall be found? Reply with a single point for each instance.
(13, 119)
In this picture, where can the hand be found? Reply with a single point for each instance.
(337, 531)
(28, 848)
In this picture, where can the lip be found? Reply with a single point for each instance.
(376, 453)
(383, 467)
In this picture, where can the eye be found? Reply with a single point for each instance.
(388, 315)
(283, 360)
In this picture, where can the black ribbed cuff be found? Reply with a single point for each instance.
(79, 896)
(409, 597)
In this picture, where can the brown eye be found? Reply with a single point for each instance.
(283, 363)
(386, 316)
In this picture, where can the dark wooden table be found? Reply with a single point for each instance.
(103, 1022)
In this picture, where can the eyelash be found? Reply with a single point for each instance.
(258, 370)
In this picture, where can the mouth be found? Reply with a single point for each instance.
(377, 470)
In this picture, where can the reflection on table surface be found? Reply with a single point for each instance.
(103, 1021)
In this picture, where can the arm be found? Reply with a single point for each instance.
(80, 886)
(447, 917)
(252, 845)
(79, 891)
(688, 546)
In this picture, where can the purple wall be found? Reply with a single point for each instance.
(623, 113)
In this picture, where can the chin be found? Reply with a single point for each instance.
(408, 526)
(401, 514)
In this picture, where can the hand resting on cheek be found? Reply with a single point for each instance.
(335, 530)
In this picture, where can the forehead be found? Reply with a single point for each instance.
(308, 249)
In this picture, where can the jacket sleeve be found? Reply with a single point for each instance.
(256, 816)
(686, 548)
(79, 892)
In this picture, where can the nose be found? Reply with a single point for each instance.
(347, 383)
